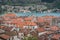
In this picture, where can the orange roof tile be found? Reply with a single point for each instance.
(20, 24)
(6, 18)
(10, 15)
(4, 36)
(56, 36)
(8, 28)
(19, 19)
(2, 27)
(40, 19)
(40, 29)
(54, 28)
(48, 17)
(28, 18)
(48, 21)
(45, 18)
(14, 21)
(49, 32)
(28, 23)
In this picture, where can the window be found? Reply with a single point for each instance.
(33, 27)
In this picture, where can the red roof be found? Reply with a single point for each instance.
(54, 28)
(6, 18)
(14, 21)
(40, 29)
(28, 23)
(45, 18)
(10, 15)
(56, 36)
(40, 19)
(28, 18)
(20, 24)
(19, 19)
(49, 32)
(4, 36)
(48, 17)
(2, 27)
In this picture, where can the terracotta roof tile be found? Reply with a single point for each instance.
(45, 18)
(10, 15)
(28, 18)
(48, 17)
(9, 28)
(40, 19)
(20, 24)
(6, 18)
(2, 27)
(56, 36)
(54, 28)
(28, 23)
(40, 29)
(49, 32)
(4, 36)
(19, 19)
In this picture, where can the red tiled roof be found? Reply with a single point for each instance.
(49, 32)
(48, 17)
(40, 19)
(20, 24)
(40, 29)
(44, 18)
(8, 22)
(6, 18)
(56, 36)
(10, 15)
(19, 19)
(14, 21)
(28, 18)
(28, 23)
(2, 27)
(9, 28)
(4, 36)
(54, 28)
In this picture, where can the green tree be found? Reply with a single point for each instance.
(0, 10)
(30, 38)
(57, 4)
(34, 38)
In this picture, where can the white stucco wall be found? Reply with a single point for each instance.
(30, 27)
